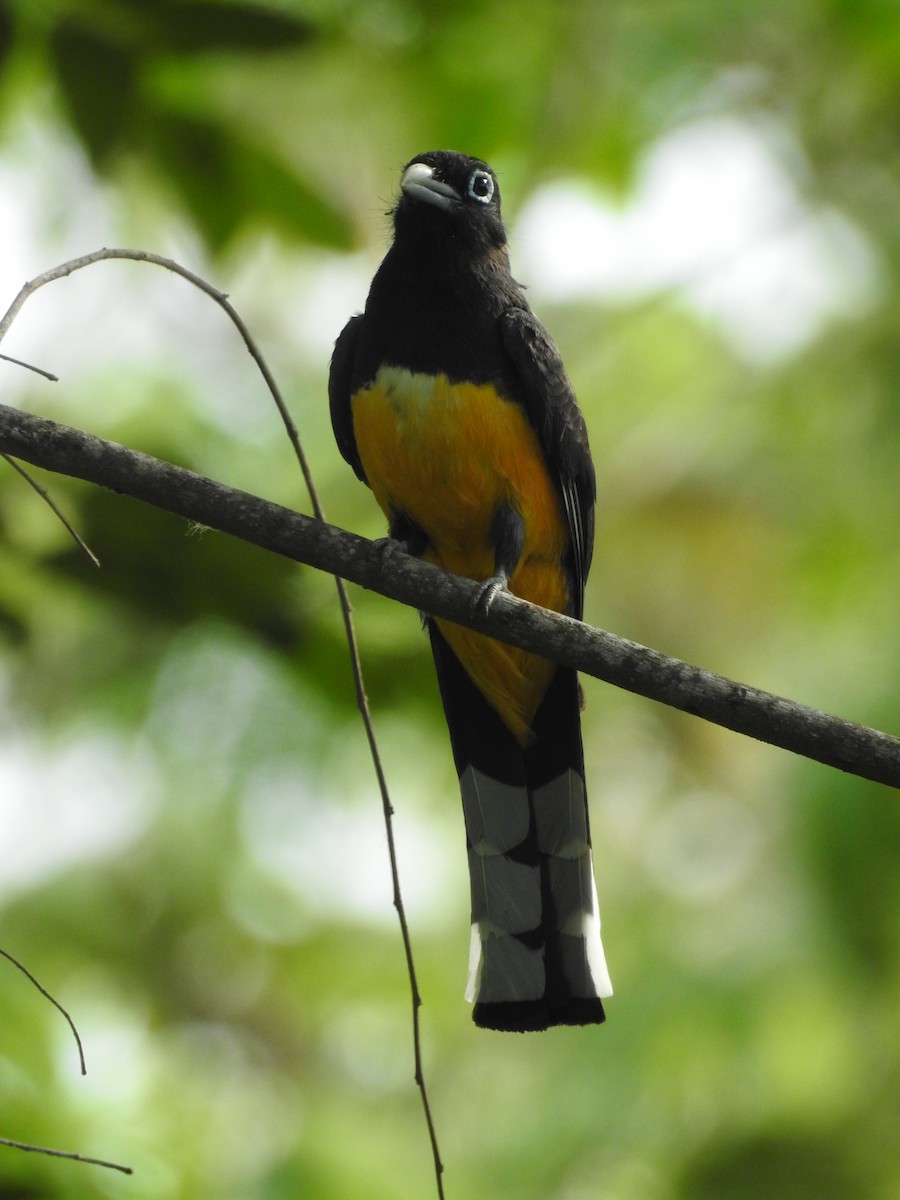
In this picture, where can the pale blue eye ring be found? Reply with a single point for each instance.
(481, 187)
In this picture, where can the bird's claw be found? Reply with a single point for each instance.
(488, 593)
(386, 549)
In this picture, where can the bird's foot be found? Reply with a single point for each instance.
(386, 550)
(489, 591)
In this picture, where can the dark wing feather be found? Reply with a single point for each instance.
(553, 410)
(340, 390)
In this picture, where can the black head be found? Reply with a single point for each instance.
(443, 192)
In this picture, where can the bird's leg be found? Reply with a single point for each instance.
(508, 538)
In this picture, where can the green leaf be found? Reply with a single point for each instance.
(781, 1168)
(6, 32)
(194, 153)
(225, 182)
(195, 27)
(97, 77)
(282, 195)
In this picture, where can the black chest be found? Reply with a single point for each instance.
(429, 315)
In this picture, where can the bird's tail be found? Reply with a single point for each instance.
(536, 957)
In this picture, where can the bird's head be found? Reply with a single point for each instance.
(450, 195)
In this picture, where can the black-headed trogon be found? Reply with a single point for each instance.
(451, 402)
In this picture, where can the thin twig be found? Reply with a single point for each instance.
(82, 1158)
(56, 1004)
(97, 1162)
(346, 612)
(51, 503)
(41, 491)
(31, 367)
(362, 704)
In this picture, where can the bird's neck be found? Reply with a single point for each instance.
(425, 301)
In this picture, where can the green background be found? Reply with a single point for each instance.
(194, 863)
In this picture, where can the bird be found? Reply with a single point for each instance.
(450, 401)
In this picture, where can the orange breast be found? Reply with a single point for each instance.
(449, 455)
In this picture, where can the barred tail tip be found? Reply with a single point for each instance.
(531, 966)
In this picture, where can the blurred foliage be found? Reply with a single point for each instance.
(194, 862)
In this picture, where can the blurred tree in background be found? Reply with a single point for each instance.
(704, 199)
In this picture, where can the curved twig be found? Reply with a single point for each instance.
(362, 702)
(28, 1146)
(56, 1004)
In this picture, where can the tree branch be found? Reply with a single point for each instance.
(807, 731)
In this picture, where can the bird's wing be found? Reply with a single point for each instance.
(553, 411)
(340, 384)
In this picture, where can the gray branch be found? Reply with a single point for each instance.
(827, 739)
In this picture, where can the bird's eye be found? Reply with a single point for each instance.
(481, 187)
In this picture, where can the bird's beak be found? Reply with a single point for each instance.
(419, 183)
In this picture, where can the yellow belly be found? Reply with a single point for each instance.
(450, 455)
